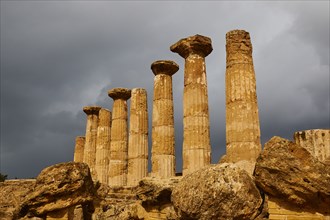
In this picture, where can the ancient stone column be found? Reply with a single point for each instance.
(119, 137)
(79, 149)
(196, 123)
(90, 137)
(103, 145)
(316, 141)
(242, 119)
(138, 137)
(163, 141)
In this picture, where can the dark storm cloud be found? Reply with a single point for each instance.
(57, 57)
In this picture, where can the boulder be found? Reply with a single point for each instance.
(222, 191)
(13, 193)
(58, 187)
(287, 171)
(155, 192)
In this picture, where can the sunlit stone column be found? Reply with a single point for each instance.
(103, 145)
(163, 141)
(196, 124)
(90, 137)
(242, 118)
(138, 137)
(119, 137)
(316, 141)
(79, 149)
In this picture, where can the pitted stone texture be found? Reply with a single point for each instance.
(90, 137)
(163, 142)
(238, 43)
(155, 192)
(59, 187)
(242, 119)
(119, 137)
(196, 124)
(287, 171)
(316, 141)
(167, 67)
(196, 44)
(13, 193)
(103, 145)
(221, 191)
(119, 93)
(138, 137)
(63, 214)
(79, 149)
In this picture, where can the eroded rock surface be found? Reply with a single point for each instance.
(58, 187)
(223, 191)
(289, 172)
(12, 193)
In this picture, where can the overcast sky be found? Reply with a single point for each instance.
(58, 56)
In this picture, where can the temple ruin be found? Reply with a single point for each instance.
(109, 178)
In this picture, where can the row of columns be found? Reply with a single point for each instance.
(119, 159)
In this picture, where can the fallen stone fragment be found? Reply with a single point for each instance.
(288, 172)
(222, 191)
(58, 187)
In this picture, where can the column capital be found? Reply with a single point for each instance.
(119, 93)
(90, 110)
(196, 44)
(166, 67)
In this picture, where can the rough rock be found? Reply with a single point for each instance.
(221, 191)
(12, 194)
(289, 172)
(133, 211)
(153, 191)
(58, 187)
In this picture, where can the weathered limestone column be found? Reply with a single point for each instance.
(103, 145)
(196, 123)
(163, 141)
(79, 149)
(90, 137)
(119, 137)
(138, 137)
(242, 119)
(316, 141)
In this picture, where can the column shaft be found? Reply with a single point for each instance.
(138, 137)
(103, 145)
(242, 118)
(196, 125)
(90, 138)
(196, 122)
(163, 142)
(119, 137)
(79, 149)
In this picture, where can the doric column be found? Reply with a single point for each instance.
(119, 137)
(196, 123)
(138, 137)
(242, 119)
(79, 149)
(90, 137)
(163, 142)
(103, 145)
(316, 141)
